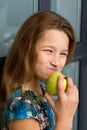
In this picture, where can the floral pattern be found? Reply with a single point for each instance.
(28, 104)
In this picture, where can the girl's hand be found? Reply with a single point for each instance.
(65, 105)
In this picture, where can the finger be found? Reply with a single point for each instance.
(70, 82)
(60, 87)
(70, 86)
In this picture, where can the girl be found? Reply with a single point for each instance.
(44, 44)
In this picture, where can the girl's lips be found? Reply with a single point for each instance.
(53, 69)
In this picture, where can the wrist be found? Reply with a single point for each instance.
(63, 125)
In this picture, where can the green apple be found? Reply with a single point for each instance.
(51, 83)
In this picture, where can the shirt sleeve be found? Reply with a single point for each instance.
(20, 108)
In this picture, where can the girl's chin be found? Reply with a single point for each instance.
(45, 78)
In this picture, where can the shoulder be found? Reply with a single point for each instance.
(18, 106)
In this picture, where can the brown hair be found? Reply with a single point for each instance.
(19, 65)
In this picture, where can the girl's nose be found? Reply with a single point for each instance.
(55, 61)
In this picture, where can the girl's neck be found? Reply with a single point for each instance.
(33, 86)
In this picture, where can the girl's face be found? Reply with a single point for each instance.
(52, 52)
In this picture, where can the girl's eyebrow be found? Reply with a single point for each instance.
(65, 50)
(50, 46)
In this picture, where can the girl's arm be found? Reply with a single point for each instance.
(24, 124)
(65, 106)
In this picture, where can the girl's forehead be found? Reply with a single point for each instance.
(54, 38)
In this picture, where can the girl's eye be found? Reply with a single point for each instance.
(64, 54)
(48, 50)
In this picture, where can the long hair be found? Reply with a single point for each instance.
(20, 61)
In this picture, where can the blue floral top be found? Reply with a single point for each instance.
(28, 104)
